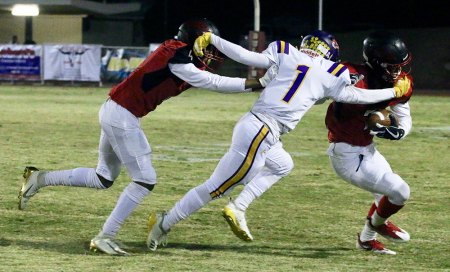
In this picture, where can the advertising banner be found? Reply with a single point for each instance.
(118, 63)
(74, 62)
(20, 62)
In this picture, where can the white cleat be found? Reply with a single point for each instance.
(157, 235)
(106, 244)
(236, 219)
(375, 246)
(30, 186)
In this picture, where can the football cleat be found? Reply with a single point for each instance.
(29, 186)
(156, 235)
(236, 219)
(375, 246)
(106, 244)
(390, 231)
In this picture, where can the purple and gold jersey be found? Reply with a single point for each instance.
(301, 81)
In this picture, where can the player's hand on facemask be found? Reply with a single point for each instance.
(201, 43)
(270, 74)
(402, 86)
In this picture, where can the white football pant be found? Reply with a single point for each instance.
(366, 168)
(250, 145)
(278, 164)
(122, 141)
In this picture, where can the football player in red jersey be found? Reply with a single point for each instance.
(352, 152)
(256, 156)
(167, 72)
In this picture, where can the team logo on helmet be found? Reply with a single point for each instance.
(335, 44)
(321, 43)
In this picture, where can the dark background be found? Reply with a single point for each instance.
(423, 25)
(284, 19)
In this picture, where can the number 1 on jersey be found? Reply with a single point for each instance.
(302, 70)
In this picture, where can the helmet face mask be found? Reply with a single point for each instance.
(211, 58)
(320, 43)
(191, 30)
(387, 55)
(392, 71)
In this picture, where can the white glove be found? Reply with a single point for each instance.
(270, 74)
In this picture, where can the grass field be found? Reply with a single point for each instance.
(306, 222)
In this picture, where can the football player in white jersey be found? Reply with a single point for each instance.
(304, 77)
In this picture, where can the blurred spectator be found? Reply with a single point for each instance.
(14, 40)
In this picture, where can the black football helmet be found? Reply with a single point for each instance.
(321, 43)
(191, 30)
(386, 54)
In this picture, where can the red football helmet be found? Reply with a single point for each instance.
(191, 30)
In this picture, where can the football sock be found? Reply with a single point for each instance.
(79, 177)
(195, 199)
(367, 233)
(385, 208)
(255, 188)
(377, 220)
(372, 209)
(130, 198)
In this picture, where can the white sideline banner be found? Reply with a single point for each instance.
(77, 62)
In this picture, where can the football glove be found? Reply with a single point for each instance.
(402, 86)
(355, 78)
(390, 132)
(270, 74)
(201, 43)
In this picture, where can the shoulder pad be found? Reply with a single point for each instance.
(336, 69)
(283, 47)
(181, 55)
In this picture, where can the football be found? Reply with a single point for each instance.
(380, 116)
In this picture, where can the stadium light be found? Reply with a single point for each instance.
(25, 10)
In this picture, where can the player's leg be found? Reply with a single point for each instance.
(34, 179)
(278, 164)
(246, 156)
(391, 193)
(134, 152)
(367, 169)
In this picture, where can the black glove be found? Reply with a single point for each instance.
(390, 133)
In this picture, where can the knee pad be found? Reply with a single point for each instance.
(105, 182)
(400, 191)
(146, 185)
(281, 167)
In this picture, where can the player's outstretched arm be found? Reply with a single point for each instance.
(231, 50)
(355, 95)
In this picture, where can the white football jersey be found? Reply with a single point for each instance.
(301, 81)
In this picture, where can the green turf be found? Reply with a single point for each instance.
(307, 222)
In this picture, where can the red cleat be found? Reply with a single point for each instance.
(391, 232)
(374, 245)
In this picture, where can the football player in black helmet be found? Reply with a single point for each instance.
(386, 54)
(191, 30)
(351, 142)
(170, 70)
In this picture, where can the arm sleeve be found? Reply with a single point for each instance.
(203, 79)
(402, 113)
(240, 54)
(354, 95)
